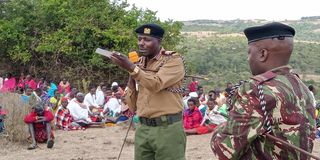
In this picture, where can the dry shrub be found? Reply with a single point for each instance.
(15, 128)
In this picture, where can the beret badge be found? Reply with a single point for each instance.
(147, 31)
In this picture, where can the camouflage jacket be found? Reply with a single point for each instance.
(291, 110)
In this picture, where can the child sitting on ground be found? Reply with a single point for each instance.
(192, 117)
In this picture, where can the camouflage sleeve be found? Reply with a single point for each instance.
(232, 139)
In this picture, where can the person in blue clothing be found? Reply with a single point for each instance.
(52, 87)
(26, 96)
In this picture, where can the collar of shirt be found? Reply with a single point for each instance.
(282, 69)
(156, 58)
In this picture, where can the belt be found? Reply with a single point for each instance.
(162, 120)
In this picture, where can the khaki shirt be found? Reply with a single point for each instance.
(164, 71)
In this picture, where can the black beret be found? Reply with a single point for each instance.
(270, 30)
(151, 29)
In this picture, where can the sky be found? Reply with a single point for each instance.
(273, 10)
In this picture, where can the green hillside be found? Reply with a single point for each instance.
(307, 28)
(218, 49)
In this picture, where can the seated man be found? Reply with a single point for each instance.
(113, 106)
(192, 116)
(79, 111)
(63, 118)
(124, 115)
(39, 126)
(90, 100)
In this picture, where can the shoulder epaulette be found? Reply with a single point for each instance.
(264, 77)
(169, 53)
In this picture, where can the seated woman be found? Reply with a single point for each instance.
(39, 126)
(211, 119)
(63, 118)
(192, 116)
(64, 87)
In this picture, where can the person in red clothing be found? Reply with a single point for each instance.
(30, 83)
(64, 87)
(21, 82)
(63, 118)
(208, 123)
(9, 84)
(192, 117)
(39, 126)
(193, 86)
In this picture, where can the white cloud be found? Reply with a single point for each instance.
(231, 9)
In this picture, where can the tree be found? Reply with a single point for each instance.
(57, 38)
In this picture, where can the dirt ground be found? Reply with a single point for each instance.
(102, 144)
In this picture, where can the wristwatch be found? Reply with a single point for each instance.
(135, 71)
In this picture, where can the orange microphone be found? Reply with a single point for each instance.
(133, 56)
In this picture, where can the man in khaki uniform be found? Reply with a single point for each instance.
(154, 92)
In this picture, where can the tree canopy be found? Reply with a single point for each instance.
(57, 38)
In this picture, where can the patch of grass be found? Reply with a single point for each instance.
(15, 128)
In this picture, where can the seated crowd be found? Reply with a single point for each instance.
(64, 107)
(203, 112)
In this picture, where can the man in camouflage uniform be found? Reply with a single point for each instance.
(274, 101)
